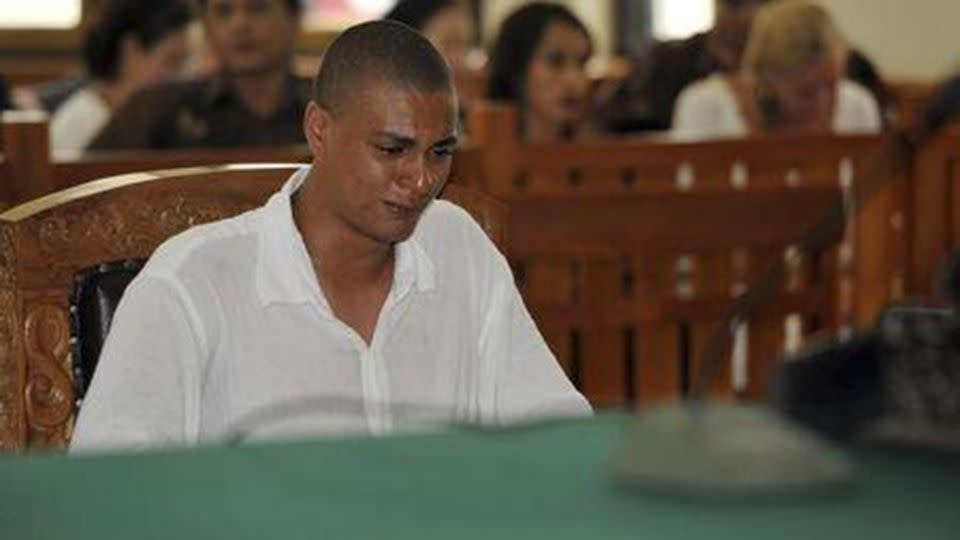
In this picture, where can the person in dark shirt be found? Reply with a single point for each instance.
(645, 101)
(945, 107)
(253, 100)
(4, 94)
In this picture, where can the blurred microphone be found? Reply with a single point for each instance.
(899, 381)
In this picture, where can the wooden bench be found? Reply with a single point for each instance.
(934, 209)
(628, 251)
(573, 208)
(30, 169)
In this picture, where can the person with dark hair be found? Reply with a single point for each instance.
(944, 109)
(538, 63)
(253, 99)
(129, 47)
(352, 297)
(446, 23)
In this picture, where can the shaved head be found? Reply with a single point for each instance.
(378, 53)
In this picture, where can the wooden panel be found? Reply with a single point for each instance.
(28, 172)
(696, 222)
(765, 350)
(657, 367)
(602, 350)
(929, 216)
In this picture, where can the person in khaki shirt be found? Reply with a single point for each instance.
(253, 99)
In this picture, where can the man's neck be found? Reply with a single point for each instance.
(115, 93)
(354, 272)
(339, 253)
(263, 93)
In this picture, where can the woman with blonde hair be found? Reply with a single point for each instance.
(790, 82)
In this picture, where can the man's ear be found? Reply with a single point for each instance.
(316, 126)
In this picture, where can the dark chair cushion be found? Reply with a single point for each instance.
(96, 293)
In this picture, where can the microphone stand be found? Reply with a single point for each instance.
(818, 236)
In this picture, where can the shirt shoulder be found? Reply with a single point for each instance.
(857, 110)
(708, 108)
(712, 91)
(200, 251)
(444, 221)
(78, 120)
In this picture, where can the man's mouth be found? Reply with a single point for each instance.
(402, 211)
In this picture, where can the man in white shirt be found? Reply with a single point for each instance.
(352, 301)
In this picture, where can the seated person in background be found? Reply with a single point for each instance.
(945, 107)
(446, 23)
(646, 100)
(129, 47)
(790, 83)
(253, 100)
(4, 94)
(538, 64)
(351, 287)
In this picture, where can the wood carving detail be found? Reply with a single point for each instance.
(129, 226)
(119, 229)
(10, 371)
(49, 393)
(7, 257)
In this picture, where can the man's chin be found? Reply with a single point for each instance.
(395, 237)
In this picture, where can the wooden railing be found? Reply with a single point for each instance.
(628, 251)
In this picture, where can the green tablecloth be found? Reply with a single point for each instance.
(538, 483)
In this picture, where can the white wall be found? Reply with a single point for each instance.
(907, 39)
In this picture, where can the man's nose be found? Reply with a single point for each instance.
(416, 176)
(575, 76)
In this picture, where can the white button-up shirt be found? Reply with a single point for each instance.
(226, 332)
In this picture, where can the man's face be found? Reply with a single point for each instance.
(557, 85)
(451, 32)
(805, 96)
(166, 59)
(251, 36)
(730, 32)
(384, 157)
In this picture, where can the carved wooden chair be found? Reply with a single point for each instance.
(63, 249)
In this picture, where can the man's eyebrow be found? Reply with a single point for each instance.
(397, 138)
(450, 140)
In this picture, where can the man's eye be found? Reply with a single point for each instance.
(443, 151)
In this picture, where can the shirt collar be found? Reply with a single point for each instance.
(284, 272)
